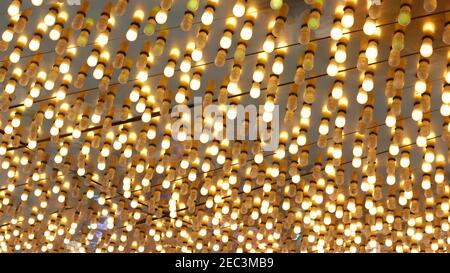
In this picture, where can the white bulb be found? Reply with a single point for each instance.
(131, 35)
(445, 110)
(255, 92)
(277, 67)
(14, 57)
(367, 84)
(426, 49)
(185, 66)
(98, 74)
(369, 26)
(102, 39)
(142, 76)
(34, 45)
(14, 8)
(7, 35)
(49, 20)
(347, 19)
(197, 55)
(390, 121)
(238, 9)
(420, 86)
(372, 50)
(54, 34)
(64, 68)
(92, 60)
(207, 18)
(332, 68)
(96, 118)
(37, 3)
(340, 56)
(340, 121)
(336, 32)
(225, 42)
(267, 117)
(28, 101)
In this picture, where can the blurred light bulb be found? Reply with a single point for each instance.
(347, 18)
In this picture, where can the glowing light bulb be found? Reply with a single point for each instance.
(8, 35)
(37, 3)
(420, 86)
(276, 4)
(426, 49)
(269, 44)
(132, 35)
(207, 16)
(341, 55)
(247, 31)
(14, 8)
(225, 42)
(239, 8)
(404, 17)
(332, 68)
(347, 18)
(372, 50)
(336, 31)
(161, 17)
(368, 84)
(370, 26)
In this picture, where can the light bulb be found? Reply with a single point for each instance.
(161, 17)
(50, 19)
(247, 31)
(426, 49)
(197, 55)
(340, 120)
(336, 31)
(420, 86)
(225, 41)
(207, 16)
(169, 71)
(269, 44)
(8, 35)
(37, 3)
(445, 110)
(142, 75)
(417, 114)
(278, 67)
(239, 8)
(341, 55)
(347, 18)
(255, 91)
(132, 34)
(55, 33)
(390, 121)
(34, 44)
(367, 84)
(372, 50)
(314, 20)
(102, 39)
(14, 8)
(332, 68)
(337, 92)
(14, 57)
(370, 26)
(276, 4)
(404, 17)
